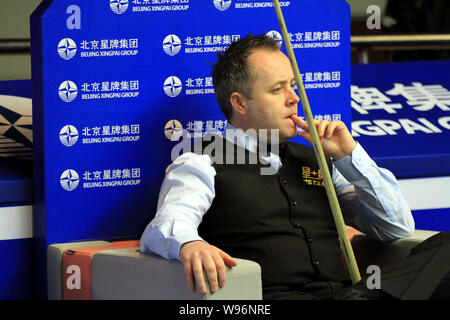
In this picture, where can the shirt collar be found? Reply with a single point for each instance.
(240, 138)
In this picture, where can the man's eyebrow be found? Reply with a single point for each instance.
(282, 82)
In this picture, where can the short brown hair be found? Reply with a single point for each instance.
(232, 73)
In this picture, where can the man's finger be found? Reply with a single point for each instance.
(189, 276)
(306, 135)
(197, 269)
(221, 269)
(211, 273)
(330, 129)
(222, 261)
(229, 261)
(321, 126)
(301, 123)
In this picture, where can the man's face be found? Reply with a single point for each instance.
(273, 98)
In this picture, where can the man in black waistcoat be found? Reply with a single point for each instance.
(281, 219)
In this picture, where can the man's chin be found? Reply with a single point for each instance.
(288, 135)
(279, 136)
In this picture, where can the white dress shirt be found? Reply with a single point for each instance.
(370, 198)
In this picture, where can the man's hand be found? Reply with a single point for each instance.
(334, 136)
(198, 255)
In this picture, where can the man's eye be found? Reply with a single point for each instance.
(276, 90)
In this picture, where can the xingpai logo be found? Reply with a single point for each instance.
(222, 5)
(118, 6)
(68, 135)
(173, 130)
(172, 45)
(275, 35)
(68, 91)
(173, 86)
(69, 180)
(67, 48)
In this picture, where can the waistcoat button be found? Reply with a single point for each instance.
(283, 180)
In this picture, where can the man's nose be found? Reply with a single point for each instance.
(292, 98)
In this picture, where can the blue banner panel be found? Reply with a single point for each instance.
(401, 115)
(16, 269)
(18, 88)
(115, 82)
(432, 219)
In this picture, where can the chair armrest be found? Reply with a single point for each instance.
(374, 252)
(130, 274)
(54, 265)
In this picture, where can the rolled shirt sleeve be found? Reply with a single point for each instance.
(185, 196)
(370, 198)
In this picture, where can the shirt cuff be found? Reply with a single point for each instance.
(355, 167)
(178, 243)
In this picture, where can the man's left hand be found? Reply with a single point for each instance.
(335, 138)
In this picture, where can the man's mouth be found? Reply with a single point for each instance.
(290, 115)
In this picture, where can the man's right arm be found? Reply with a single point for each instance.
(185, 196)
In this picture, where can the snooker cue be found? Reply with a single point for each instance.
(329, 187)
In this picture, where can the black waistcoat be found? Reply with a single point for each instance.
(282, 221)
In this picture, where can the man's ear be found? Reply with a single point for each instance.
(239, 103)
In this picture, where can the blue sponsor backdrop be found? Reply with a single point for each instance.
(401, 113)
(115, 81)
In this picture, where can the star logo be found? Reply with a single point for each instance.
(68, 135)
(173, 130)
(275, 35)
(69, 180)
(67, 48)
(222, 5)
(68, 91)
(16, 132)
(171, 45)
(173, 86)
(118, 6)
